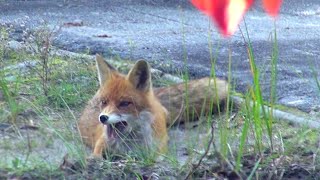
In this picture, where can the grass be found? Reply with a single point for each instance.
(53, 116)
(8, 92)
(12, 104)
(250, 143)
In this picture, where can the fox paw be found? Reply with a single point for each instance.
(94, 157)
(94, 162)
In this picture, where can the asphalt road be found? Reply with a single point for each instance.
(169, 33)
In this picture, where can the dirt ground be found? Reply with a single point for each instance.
(186, 146)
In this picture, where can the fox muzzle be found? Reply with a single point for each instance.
(111, 118)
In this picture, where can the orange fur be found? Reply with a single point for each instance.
(128, 103)
(117, 88)
(202, 97)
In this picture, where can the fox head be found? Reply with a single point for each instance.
(124, 102)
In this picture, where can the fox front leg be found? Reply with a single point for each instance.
(99, 147)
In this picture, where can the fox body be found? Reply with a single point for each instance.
(188, 101)
(126, 113)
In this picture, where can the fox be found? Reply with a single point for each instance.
(127, 113)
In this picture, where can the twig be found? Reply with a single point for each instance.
(29, 150)
(225, 161)
(182, 108)
(285, 116)
(204, 154)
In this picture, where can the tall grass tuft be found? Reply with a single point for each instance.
(255, 115)
(9, 98)
(8, 92)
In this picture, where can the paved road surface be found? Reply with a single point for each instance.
(169, 33)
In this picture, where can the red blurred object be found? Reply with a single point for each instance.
(272, 7)
(228, 13)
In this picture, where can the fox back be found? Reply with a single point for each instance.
(124, 115)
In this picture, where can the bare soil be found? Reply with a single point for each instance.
(186, 146)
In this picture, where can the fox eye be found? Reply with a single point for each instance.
(124, 104)
(104, 102)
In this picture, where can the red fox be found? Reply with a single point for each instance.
(127, 113)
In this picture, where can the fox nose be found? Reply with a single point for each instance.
(103, 119)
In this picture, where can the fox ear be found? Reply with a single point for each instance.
(140, 76)
(104, 69)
